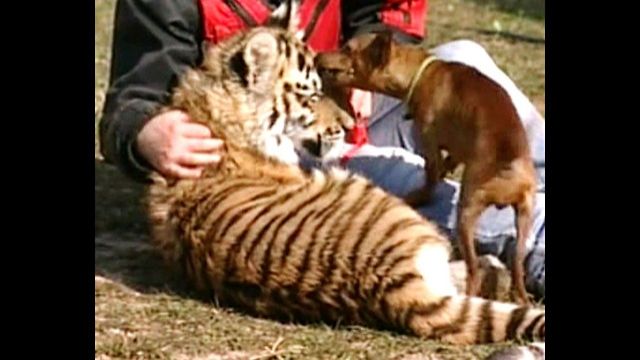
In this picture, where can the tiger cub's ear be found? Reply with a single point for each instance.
(286, 17)
(260, 57)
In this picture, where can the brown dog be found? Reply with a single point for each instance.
(459, 110)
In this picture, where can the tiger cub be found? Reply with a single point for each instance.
(262, 234)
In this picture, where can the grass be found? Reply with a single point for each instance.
(104, 31)
(500, 33)
(143, 312)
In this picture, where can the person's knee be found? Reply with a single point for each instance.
(469, 47)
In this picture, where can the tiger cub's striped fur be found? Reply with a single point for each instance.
(323, 246)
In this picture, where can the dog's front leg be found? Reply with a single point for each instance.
(435, 164)
(434, 171)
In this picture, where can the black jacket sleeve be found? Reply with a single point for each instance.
(154, 42)
(362, 16)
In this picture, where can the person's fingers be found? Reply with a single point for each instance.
(205, 145)
(193, 130)
(178, 147)
(177, 115)
(198, 159)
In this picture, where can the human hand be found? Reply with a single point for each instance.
(177, 147)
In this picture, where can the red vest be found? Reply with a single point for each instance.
(320, 18)
(322, 21)
(407, 15)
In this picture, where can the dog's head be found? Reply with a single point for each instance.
(362, 62)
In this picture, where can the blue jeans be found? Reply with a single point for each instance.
(495, 231)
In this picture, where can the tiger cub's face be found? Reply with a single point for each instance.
(327, 131)
(281, 75)
(281, 71)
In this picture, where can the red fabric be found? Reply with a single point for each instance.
(359, 138)
(359, 133)
(408, 15)
(361, 105)
(325, 35)
(220, 21)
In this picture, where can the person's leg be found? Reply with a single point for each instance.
(388, 125)
(400, 173)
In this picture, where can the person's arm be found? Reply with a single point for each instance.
(154, 42)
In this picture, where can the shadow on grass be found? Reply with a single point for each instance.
(123, 252)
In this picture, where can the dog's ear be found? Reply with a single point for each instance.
(380, 49)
